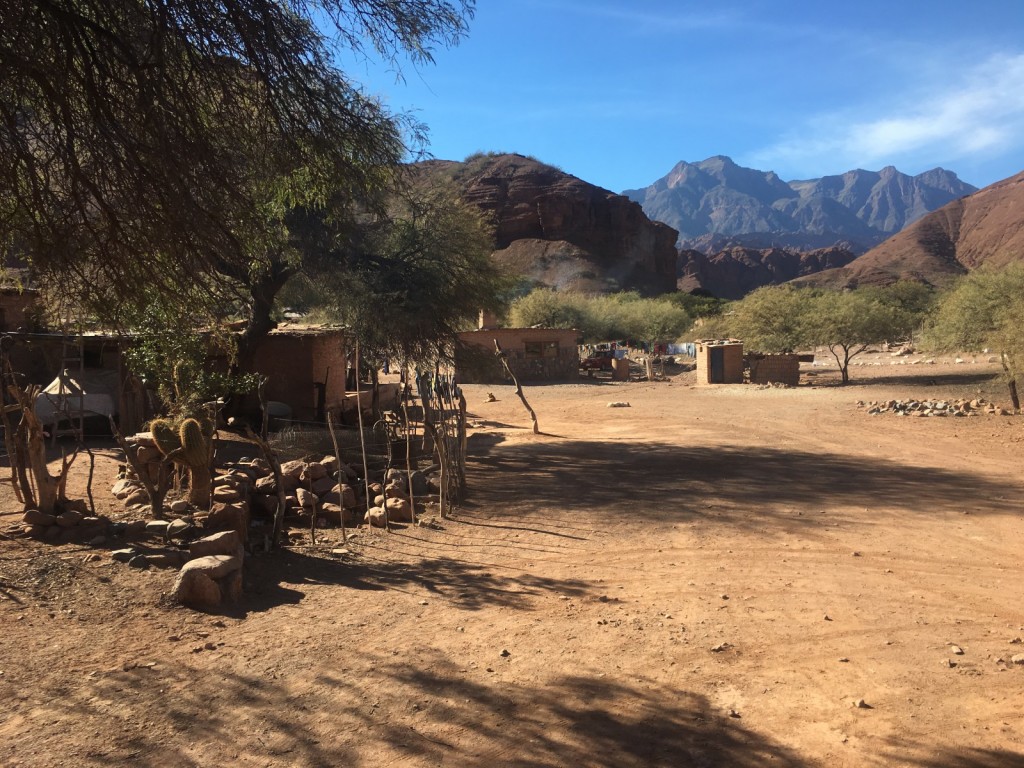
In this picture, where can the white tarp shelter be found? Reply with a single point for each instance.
(92, 392)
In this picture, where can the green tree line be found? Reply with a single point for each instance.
(982, 310)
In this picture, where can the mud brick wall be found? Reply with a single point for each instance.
(733, 363)
(533, 354)
(775, 369)
(293, 361)
(19, 309)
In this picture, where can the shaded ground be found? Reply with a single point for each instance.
(710, 577)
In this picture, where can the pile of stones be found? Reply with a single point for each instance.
(246, 489)
(959, 407)
(69, 527)
(208, 546)
(211, 566)
(311, 489)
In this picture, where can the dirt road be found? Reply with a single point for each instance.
(713, 576)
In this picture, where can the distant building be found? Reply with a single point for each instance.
(19, 309)
(533, 354)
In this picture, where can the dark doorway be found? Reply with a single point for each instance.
(717, 365)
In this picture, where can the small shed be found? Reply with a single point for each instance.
(533, 354)
(774, 369)
(19, 309)
(719, 361)
(305, 368)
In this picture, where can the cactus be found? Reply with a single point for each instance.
(188, 445)
(165, 435)
(195, 446)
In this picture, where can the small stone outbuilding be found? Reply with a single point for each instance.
(305, 366)
(719, 361)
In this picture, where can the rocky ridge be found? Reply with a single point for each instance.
(861, 208)
(734, 272)
(986, 228)
(557, 230)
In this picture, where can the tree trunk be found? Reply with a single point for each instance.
(200, 481)
(519, 390)
(30, 433)
(262, 293)
(1011, 382)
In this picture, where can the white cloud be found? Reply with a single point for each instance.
(981, 114)
(665, 22)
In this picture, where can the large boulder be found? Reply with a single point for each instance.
(399, 510)
(223, 543)
(225, 517)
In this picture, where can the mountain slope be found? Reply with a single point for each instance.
(860, 208)
(986, 228)
(734, 272)
(560, 231)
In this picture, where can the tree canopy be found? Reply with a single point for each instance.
(602, 317)
(985, 309)
(770, 319)
(406, 282)
(785, 318)
(149, 143)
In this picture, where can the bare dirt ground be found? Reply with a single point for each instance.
(569, 614)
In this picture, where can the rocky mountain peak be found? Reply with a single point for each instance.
(717, 196)
(558, 230)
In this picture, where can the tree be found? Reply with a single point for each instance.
(784, 318)
(770, 319)
(602, 317)
(551, 309)
(149, 143)
(407, 282)
(848, 322)
(985, 309)
(912, 300)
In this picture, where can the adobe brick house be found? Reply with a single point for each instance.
(719, 361)
(533, 354)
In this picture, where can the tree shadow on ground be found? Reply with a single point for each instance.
(582, 719)
(125, 720)
(947, 757)
(429, 712)
(670, 483)
(920, 378)
(279, 579)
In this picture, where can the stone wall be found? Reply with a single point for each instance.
(774, 369)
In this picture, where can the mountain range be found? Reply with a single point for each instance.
(983, 229)
(556, 230)
(716, 203)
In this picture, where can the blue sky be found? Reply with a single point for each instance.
(616, 92)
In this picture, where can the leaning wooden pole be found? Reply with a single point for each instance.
(362, 445)
(519, 390)
(337, 455)
(408, 442)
